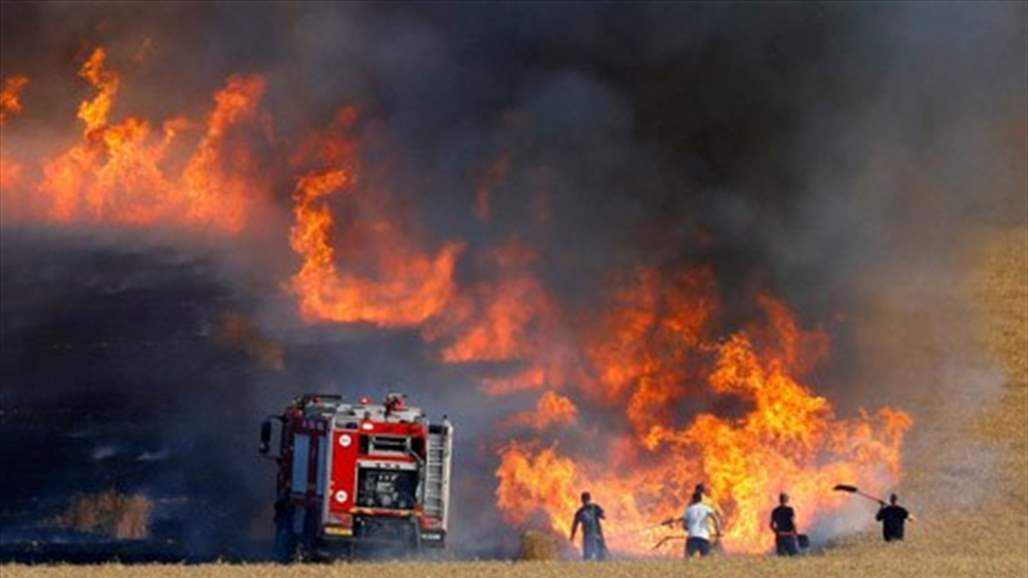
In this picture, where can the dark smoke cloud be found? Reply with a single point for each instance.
(832, 154)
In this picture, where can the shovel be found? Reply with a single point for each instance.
(855, 490)
(667, 539)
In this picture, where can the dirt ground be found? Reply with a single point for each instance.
(988, 539)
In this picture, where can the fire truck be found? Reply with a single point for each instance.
(356, 477)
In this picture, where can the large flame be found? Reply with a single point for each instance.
(124, 172)
(404, 286)
(658, 357)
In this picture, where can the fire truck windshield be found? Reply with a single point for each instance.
(378, 488)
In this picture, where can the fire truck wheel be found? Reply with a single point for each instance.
(308, 542)
(285, 544)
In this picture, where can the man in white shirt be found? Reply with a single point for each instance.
(696, 521)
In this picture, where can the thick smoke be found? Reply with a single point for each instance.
(831, 154)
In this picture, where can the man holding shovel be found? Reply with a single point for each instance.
(892, 517)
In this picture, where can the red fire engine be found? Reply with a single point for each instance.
(358, 474)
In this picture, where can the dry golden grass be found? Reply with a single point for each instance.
(109, 513)
(1000, 287)
(989, 540)
(537, 545)
(879, 563)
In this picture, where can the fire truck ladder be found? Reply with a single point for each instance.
(437, 471)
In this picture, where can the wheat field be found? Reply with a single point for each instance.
(987, 540)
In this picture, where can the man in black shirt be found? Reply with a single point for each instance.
(893, 518)
(783, 524)
(589, 516)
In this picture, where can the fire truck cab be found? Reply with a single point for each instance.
(356, 475)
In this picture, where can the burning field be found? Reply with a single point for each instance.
(626, 249)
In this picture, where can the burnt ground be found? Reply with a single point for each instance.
(113, 379)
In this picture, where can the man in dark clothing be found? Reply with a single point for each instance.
(589, 516)
(893, 518)
(783, 524)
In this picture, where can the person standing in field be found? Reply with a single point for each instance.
(783, 524)
(707, 500)
(698, 519)
(893, 517)
(588, 516)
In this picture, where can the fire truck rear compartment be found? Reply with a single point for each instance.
(380, 488)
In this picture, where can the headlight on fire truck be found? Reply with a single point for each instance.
(430, 523)
(341, 496)
(340, 520)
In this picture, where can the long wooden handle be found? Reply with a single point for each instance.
(870, 497)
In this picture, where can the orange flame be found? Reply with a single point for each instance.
(497, 334)
(10, 173)
(408, 285)
(551, 409)
(508, 318)
(94, 112)
(214, 194)
(10, 95)
(10, 104)
(492, 321)
(121, 172)
(787, 438)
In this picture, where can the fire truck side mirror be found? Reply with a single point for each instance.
(270, 445)
(265, 446)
